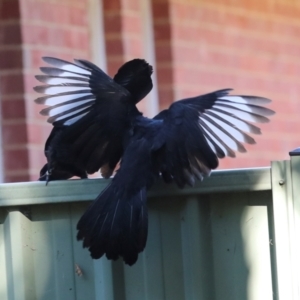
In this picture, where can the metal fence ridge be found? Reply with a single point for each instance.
(29, 193)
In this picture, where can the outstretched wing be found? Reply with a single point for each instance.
(197, 131)
(91, 108)
(74, 89)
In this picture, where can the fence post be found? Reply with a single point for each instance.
(286, 208)
(295, 171)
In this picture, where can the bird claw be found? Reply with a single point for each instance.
(48, 174)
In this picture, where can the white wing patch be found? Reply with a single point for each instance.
(74, 120)
(69, 94)
(66, 66)
(75, 69)
(56, 80)
(212, 138)
(235, 122)
(246, 100)
(222, 135)
(243, 107)
(58, 89)
(242, 114)
(230, 130)
(60, 99)
(52, 111)
(68, 115)
(61, 73)
(226, 123)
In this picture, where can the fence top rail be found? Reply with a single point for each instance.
(31, 193)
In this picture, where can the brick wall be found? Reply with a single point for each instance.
(123, 34)
(252, 46)
(49, 28)
(13, 121)
(29, 30)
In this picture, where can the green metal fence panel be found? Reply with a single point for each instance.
(228, 238)
(286, 201)
(295, 170)
(283, 220)
(3, 268)
(241, 246)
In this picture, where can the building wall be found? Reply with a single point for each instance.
(252, 46)
(30, 29)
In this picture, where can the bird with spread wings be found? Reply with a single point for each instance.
(96, 125)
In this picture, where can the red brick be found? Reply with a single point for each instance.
(45, 131)
(15, 159)
(11, 83)
(166, 97)
(9, 10)
(60, 37)
(112, 5)
(14, 133)
(33, 110)
(29, 82)
(160, 10)
(185, 33)
(289, 10)
(37, 34)
(34, 134)
(13, 109)
(11, 59)
(185, 53)
(112, 24)
(114, 47)
(132, 25)
(133, 48)
(79, 16)
(16, 177)
(43, 11)
(34, 57)
(162, 31)
(10, 34)
(163, 53)
(131, 5)
(164, 75)
(37, 160)
(76, 39)
(63, 13)
(114, 65)
(238, 40)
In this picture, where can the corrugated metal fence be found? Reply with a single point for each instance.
(234, 236)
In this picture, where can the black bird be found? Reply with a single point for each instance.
(63, 163)
(101, 125)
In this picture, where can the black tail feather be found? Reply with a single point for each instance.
(115, 224)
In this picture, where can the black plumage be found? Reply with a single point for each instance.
(96, 125)
(95, 141)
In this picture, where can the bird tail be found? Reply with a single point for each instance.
(115, 224)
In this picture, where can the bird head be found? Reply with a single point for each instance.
(135, 76)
